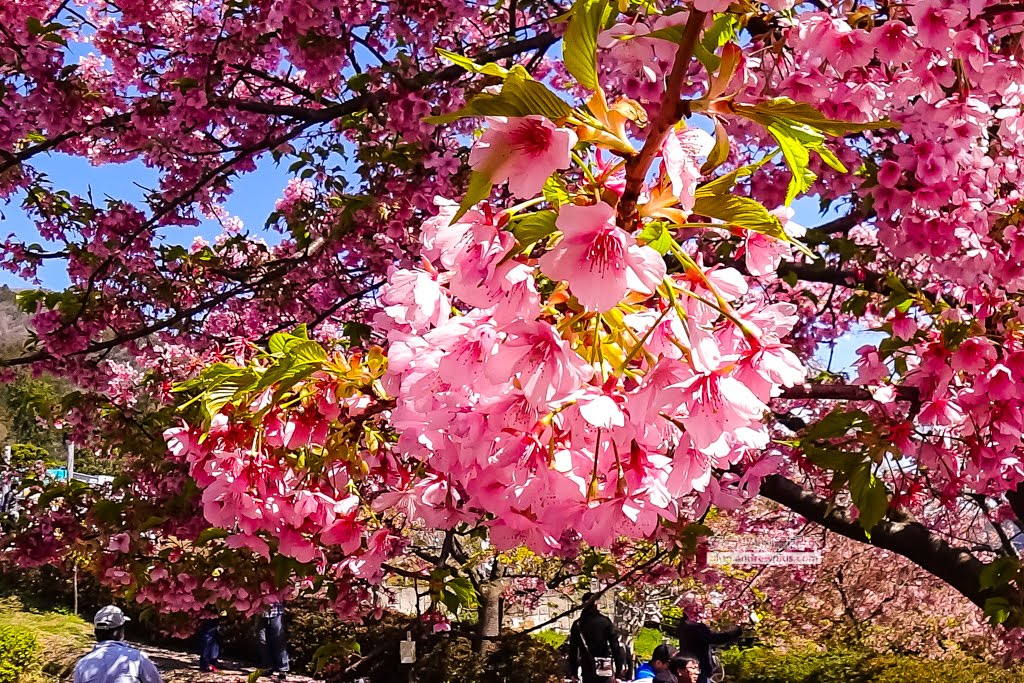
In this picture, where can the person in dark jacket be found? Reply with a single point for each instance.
(592, 637)
(696, 641)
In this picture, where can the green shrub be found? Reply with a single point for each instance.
(26, 454)
(766, 665)
(19, 651)
(550, 638)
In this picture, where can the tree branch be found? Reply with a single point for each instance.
(851, 279)
(844, 392)
(668, 114)
(899, 533)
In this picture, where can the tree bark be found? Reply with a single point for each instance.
(489, 612)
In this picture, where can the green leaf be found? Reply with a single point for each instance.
(479, 189)
(955, 333)
(153, 522)
(708, 59)
(211, 534)
(673, 34)
(869, 495)
(224, 389)
(857, 304)
(657, 236)
(800, 113)
(740, 211)
(555, 191)
(359, 82)
(279, 342)
(255, 676)
(833, 460)
(799, 129)
(997, 610)
(106, 510)
(28, 299)
(720, 32)
(282, 566)
(728, 181)
(999, 572)
(307, 352)
(458, 593)
(579, 51)
(520, 96)
(534, 227)
(468, 64)
(333, 651)
(184, 84)
(839, 423)
(719, 154)
(357, 332)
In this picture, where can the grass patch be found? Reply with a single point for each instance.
(63, 638)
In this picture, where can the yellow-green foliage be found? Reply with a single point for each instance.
(19, 652)
(646, 640)
(765, 665)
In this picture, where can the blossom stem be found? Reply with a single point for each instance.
(592, 489)
(583, 167)
(524, 205)
(640, 343)
(723, 306)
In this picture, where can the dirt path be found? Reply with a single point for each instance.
(183, 667)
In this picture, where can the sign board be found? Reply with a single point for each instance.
(407, 649)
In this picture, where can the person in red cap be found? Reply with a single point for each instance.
(112, 660)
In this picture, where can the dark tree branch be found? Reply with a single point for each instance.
(899, 533)
(851, 279)
(838, 226)
(844, 392)
(279, 270)
(1016, 500)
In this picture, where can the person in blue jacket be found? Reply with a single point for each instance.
(660, 660)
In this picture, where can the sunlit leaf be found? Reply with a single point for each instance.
(520, 96)
(579, 50)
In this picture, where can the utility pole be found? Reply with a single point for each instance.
(71, 461)
(71, 477)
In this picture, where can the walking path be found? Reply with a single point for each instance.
(64, 638)
(181, 667)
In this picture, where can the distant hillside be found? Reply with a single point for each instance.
(13, 323)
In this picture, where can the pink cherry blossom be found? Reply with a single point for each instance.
(680, 154)
(524, 151)
(600, 261)
(541, 362)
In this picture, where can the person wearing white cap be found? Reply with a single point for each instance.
(112, 660)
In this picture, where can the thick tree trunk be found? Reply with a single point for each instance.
(489, 612)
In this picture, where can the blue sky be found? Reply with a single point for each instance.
(252, 201)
